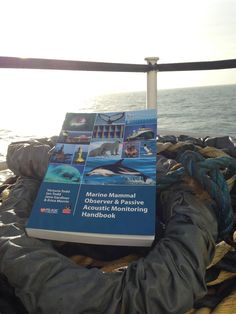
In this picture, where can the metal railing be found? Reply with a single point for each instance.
(151, 68)
(71, 65)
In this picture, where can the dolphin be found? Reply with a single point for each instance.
(114, 169)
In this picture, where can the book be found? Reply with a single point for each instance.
(100, 184)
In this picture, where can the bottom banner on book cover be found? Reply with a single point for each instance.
(108, 215)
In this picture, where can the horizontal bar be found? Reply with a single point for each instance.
(198, 66)
(71, 65)
(51, 64)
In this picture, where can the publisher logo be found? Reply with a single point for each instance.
(66, 210)
(44, 210)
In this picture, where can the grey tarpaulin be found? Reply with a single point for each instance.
(167, 280)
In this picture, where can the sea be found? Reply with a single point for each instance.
(195, 111)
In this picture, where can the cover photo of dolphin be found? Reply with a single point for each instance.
(120, 172)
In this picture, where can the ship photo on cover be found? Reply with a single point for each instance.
(100, 184)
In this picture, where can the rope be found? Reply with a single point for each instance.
(205, 151)
(208, 173)
(3, 165)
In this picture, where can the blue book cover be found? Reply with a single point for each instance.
(100, 184)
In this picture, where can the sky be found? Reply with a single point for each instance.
(124, 31)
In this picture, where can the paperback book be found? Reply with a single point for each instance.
(100, 184)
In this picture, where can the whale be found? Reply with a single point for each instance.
(116, 168)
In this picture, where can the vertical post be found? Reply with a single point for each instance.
(151, 99)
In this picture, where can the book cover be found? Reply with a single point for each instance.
(100, 184)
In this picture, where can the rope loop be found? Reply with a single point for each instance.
(208, 173)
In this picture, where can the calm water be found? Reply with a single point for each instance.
(199, 110)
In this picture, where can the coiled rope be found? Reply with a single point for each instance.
(208, 173)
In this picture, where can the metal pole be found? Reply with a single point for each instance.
(151, 101)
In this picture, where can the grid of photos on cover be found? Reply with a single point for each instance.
(116, 148)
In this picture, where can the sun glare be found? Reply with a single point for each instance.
(106, 31)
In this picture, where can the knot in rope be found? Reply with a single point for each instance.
(207, 172)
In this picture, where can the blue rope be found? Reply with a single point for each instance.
(208, 173)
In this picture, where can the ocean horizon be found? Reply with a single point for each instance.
(198, 111)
